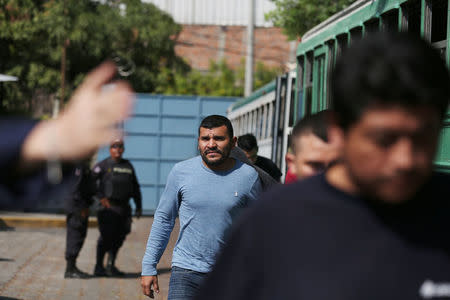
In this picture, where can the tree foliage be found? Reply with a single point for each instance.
(34, 32)
(220, 80)
(297, 16)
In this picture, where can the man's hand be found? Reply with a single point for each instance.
(105, 202)
(138, 213)
(87, 122)
(149, 285)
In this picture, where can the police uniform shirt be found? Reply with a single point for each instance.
(117, 181)
(83, 189)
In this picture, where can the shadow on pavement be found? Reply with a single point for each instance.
(7, 260)
(5, 227)
(164, 270)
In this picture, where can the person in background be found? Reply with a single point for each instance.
(311, 151)
(116, 184)
(249, 145)
(266, 180)
(77, 204)
(375, 224)
(207, 192)
(31, 151)
(290, 177)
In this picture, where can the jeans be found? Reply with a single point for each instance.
(184, 284)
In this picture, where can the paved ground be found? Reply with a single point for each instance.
(32, 265)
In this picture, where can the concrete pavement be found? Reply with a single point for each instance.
(32, 263)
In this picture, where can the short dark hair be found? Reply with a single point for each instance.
(316, 124)
(388, 68)
(247, 142)
(214, 121)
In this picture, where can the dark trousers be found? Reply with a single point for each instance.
(113, 227)
(76, 233)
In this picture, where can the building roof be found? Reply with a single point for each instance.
(215, 12)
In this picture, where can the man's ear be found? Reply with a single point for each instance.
(335, 136)
(290, 161)
(233, 141)
(334, 131)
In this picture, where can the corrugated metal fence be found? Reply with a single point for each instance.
(162, 132)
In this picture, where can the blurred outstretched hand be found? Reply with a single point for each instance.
(88, 121)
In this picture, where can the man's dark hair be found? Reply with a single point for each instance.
(247, 142)
(214, 121)
(388, 68)
(316, 124)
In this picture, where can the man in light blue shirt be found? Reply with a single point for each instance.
(207, 192)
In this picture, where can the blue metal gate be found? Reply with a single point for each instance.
(162, 132)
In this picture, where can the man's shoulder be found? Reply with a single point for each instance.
(100, 165)
(246, 169)
(268, 165)
(126, 162)
(298, 193)
(188, 165)
(265, 160)
(187, 162)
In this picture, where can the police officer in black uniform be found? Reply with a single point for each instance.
(116, 184)
(77, 217)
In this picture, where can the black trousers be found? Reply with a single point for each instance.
(114, 227)
(76, 234)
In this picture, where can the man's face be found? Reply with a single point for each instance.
(389, 152)
(215, 145)
(252, 155)
(312, 156)
(116, 150)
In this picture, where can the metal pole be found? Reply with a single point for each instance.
(249, 57)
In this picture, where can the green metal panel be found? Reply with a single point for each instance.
(448, 35)
(299, 89)
(307, 89)
(442, 160)
(318, 97)
(374, 9)
(322, 75)
(305, 64)
(354, 19)
(318, 77)
(315, 95)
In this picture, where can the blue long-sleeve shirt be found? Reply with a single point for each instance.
(207, 202)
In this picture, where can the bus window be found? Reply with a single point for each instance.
(299, 87)
(439, 26)
(292, 104)
(319, 80)
(389, 20)
(356, 33)
(341, 45)
(308, 84)
(270, 120)
(373, 25)
(411, 16)
(331, 61)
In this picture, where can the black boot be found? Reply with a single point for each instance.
(111, 269)
(73, 272)
(99, 270)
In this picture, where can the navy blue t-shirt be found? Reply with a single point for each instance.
(309, 240)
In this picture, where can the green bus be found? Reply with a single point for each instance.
(320, 46)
